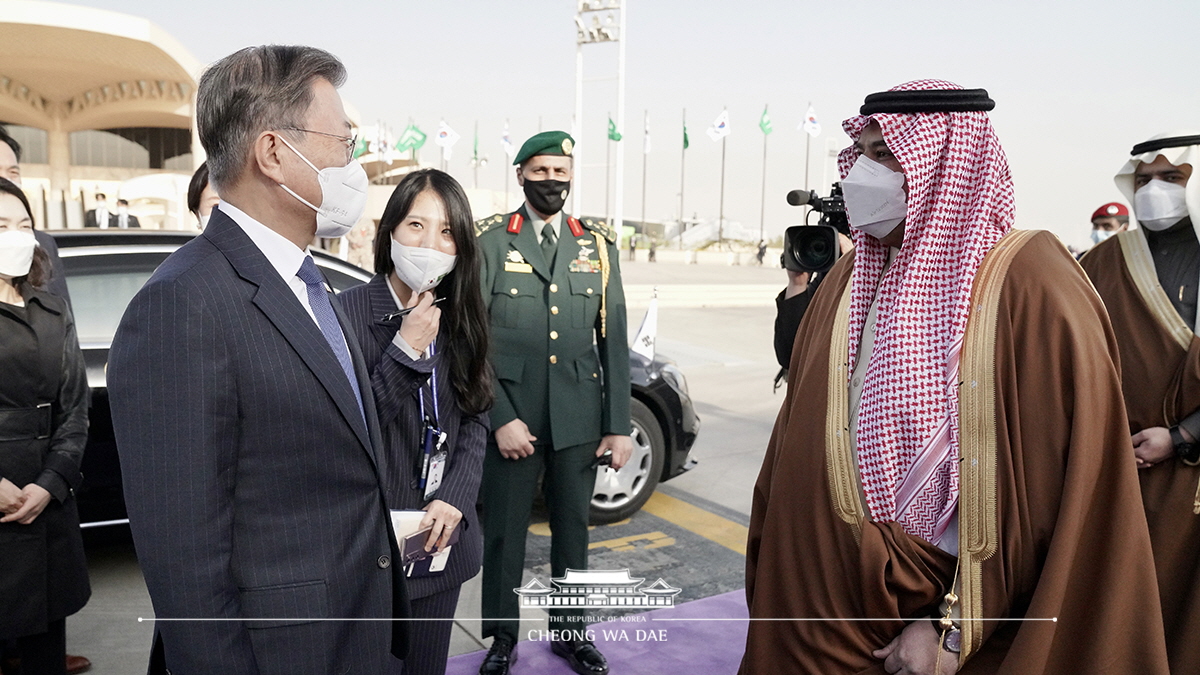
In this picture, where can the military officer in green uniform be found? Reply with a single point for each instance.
(561, 358)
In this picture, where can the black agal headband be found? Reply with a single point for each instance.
(927, 100)
(1161, 143)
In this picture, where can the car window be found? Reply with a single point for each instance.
(101, 286)
(339, 279)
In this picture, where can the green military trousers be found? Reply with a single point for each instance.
(509, 487)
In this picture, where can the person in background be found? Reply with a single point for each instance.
(429, 369)
(100, 216)
(124, 220)
(1109, 220)
(1148, 280)
(43, 431)
(201, 196)
(10, 168)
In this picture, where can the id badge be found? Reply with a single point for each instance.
(437, 467)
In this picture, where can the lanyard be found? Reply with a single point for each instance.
(433, 390)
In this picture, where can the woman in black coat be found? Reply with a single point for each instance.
(425, 250)
(43, 430)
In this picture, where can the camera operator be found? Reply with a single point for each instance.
(808, 254)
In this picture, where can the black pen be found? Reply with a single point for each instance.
(403, 312)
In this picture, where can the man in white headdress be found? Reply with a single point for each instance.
(1148, 278)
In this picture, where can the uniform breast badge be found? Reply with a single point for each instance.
(582, 263)
(516, 263)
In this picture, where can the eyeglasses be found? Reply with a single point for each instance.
(349, 141)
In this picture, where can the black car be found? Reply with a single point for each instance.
(106, 268)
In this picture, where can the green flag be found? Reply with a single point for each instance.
(412, 139)
(360, 148)
(765, 122)
(685, 138)
(612, 131)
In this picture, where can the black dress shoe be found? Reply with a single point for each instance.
(500, 657)
(583, 656)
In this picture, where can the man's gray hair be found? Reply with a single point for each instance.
(251, 91)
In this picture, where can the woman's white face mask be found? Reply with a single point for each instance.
(1158, 204)
(421, 268)
(16, 252)
(875, 199)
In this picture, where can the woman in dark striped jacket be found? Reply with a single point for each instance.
(432, 384)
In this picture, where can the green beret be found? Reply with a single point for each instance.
(546, 143)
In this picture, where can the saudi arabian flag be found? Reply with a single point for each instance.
(685, 138)
(613, 135)
(764, 122)
(412, 139)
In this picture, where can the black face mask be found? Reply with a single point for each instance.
(547, 196)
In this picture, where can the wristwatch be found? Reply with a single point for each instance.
(1189, 453)
(953, 642)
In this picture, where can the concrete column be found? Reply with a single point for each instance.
(58, 144)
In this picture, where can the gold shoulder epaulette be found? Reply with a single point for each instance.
(484, 224)
(601, 228)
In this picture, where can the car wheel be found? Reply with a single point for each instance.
(620, 494)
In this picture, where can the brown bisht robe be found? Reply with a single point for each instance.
(1049, 521)
(1160, 368)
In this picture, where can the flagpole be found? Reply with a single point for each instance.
(475, 159)
(762, 218)
(645, 155)
(508, 171)
(682, 166)
(608, 173)
(721, 215)
(618, 220)
(807, 146)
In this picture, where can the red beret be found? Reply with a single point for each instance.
(1110, 210)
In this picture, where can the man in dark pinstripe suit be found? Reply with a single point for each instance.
(243, 413)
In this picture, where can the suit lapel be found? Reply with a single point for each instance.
(527, 244)
(281, 307)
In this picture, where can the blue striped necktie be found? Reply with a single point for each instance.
(318, 298)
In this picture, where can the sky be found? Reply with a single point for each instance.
(1076, 84)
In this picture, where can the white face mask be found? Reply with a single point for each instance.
(421, 268)
(1159, 204)
(16, 252)
(875, 199)
(1100, 235)
(343, 196)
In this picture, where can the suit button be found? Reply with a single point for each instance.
(384, 562)
(589, 291)
(553, 288)
(513, 291)
(553, 359)
(553, 310)
(553, 335)
(593, 375)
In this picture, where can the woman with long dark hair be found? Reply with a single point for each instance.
(43, 430)
(432, 383)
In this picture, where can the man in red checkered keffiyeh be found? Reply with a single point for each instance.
(948, 485)
(960, 202)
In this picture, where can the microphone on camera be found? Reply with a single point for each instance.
(799, 197)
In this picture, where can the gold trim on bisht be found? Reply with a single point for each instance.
(1141, 268)
(977, 511)
(839, 455)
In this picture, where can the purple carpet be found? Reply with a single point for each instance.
(711, 647)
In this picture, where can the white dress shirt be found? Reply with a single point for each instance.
(283, 255)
